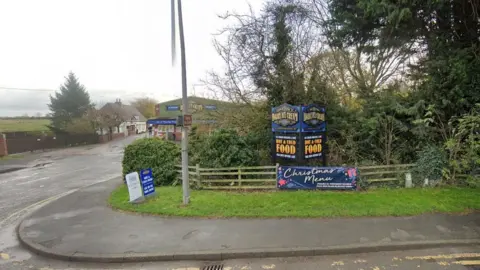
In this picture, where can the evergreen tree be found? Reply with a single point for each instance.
(71, 102)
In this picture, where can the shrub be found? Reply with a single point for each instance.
(223, 148)
(159, 155)
(430, 164)
(464, 149)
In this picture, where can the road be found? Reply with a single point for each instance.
(63, 171)
(435, 259)
(50, 174)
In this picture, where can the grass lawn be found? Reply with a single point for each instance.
(381, 202)
(11, 125)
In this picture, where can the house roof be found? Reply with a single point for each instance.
(126, 112)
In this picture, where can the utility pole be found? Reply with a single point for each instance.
(185, 182)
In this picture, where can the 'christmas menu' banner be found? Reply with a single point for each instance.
(326, 178)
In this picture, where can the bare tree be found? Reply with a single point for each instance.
(247, 47)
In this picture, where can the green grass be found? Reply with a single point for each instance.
(18, 125)
(307, 204)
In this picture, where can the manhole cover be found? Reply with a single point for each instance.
(213, 267)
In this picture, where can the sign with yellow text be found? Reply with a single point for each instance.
(313, 118)
(286, 118)
(313, 146)
(286, 146)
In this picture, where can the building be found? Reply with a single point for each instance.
(120, 120)
(204, 113)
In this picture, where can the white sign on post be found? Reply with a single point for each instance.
(134, 187)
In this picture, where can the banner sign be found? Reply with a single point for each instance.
(166, 122)
(325, 178)
(210, 107)
(286, 118)
(304, 130)
(192, 107)
(173, 107)
(313, 146)
(286, 146)
(313, 118)
(146, 178)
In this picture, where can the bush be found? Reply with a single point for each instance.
(430, 164)
(159, 155)
(223, 148)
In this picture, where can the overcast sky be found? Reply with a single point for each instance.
(118, 48)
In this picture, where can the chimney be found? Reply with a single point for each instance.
(118, 101)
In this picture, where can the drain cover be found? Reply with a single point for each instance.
(213, 267)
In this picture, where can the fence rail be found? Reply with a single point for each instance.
(384, 173)
(264, 177)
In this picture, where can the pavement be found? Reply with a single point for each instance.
(81, 227)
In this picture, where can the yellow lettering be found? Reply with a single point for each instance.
(313, 115)
(285, 115)
(313, 146)
(286, 146)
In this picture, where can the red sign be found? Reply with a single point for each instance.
(187, 120)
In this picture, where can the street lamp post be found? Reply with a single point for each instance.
(185, 182)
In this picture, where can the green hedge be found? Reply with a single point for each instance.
(159, 155)
(223, 148)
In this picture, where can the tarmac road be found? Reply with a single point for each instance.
(50, 174)
(434, 259)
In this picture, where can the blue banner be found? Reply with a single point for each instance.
(173, 107)
(210, 107)
(325, 178)
(286, 118)
(162, 122)
(313, 118)
(146, 178)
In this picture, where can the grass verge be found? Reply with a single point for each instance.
(306, 204)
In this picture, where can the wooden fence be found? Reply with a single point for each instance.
(264, 177)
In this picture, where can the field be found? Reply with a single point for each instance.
(305, 204)
(23, 124)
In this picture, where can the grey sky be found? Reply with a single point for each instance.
(118, 48)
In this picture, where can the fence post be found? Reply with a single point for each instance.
(408, 180)
(3, 145)
(276, 174)
(197, 172)
(239, 177)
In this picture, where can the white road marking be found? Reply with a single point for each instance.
(32, 181)
(24, 176)
(43, 178)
